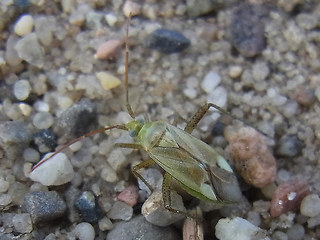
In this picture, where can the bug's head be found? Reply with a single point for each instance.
(134, 127)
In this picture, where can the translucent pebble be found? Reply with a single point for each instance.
(105, 224)
(111, 19)
(4, 185)
(310, 205)
(22, 223)
(41, 106)
(235, 71)
(24, 25)
(260, 71)
(190, 93)
(132, 8)
(296, 232)
(120, 211)
(108, 174)
(31, 155)
(84, 231)
(107, 80)
(22, 89)
(218, 96)
(56, 171)
(25, 109)
(42, 120)
(228, 228)
(210, 81)
(5, 199)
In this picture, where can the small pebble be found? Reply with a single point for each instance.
(93, 20)
(22, 223)
(310, 205)
(22, 89)
(120, 211)
(24, 25)
(296, 232)
(129, 195)
(44, 27)
(44, 206)
(235, 71)
(314, 221)
(247, 29)
(304, 96)
(84, 231)
(288, 196)
(117, 160)
(218, 96)
(4, 185)
(42, 120)
(26, 109)
(109, 174)
(111, 19)
(153, 177)
(29, 49)
(107, 80)
(131, 7)
(307, 21)
(191, 93)
(45, 140)
(105, 224)
(54, 172)
(5, 199)
(260, 71)
(238, 228)
(278, 235)
(88, 207)
(252, 157)
(139, 228)
(17, 191)
(289, 146)
(167, 41)
(108, 49)
(31, 155)
(155, 213)
(210, 81)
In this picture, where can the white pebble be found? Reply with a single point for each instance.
(41, 106)
(132, 8)
(190, 93)
(5, 199)
(22, 89)
(310, 205)
(107, 80)
(120, 211)
(56, 171)
(111, 19)
(238, 228)
(31, 155)
(24, 25)
(108, 174)
(260, 71)
(84, 231)
(210, 81)
(235, 71)
(218, 96)
(4, 185)
(42, 120)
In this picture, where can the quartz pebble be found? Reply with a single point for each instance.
(22, 89)
(44, 206)
(42, 120)
(238, 228)
(310, 205)
(24, 25)
(5, 199)
(153, 177)
(120, 211)
(108, 49)
(129, 195)
(88, 207)
(105, 224)
(288, 196)
(139, 228)
(22, 223)
(56, 171)
(296, 232)
(84, 231)
(109, 174)
(289, 146)
(131, 8)
(111, 19)
(235, 71)
(4, 185)
(31, 155)
(29, 49)
(155, 212)
(210, 81)
(107, 80)
(251, 155)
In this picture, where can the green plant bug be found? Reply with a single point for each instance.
(198, 168)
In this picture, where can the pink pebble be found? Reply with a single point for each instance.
(288, 196)
(129, 195)
(108, 49)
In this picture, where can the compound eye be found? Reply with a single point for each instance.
(133, 133)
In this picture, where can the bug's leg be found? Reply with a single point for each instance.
(143, 164)
(128, 145)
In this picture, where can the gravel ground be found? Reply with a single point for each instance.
(61, 63)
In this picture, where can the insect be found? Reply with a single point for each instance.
(196, 166)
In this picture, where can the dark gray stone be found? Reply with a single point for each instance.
(88, 207)
(139, 228)
(290, 146)
(44, 206)
(45, 140)
(167, 41)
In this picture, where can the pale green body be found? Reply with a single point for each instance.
(199, 169)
